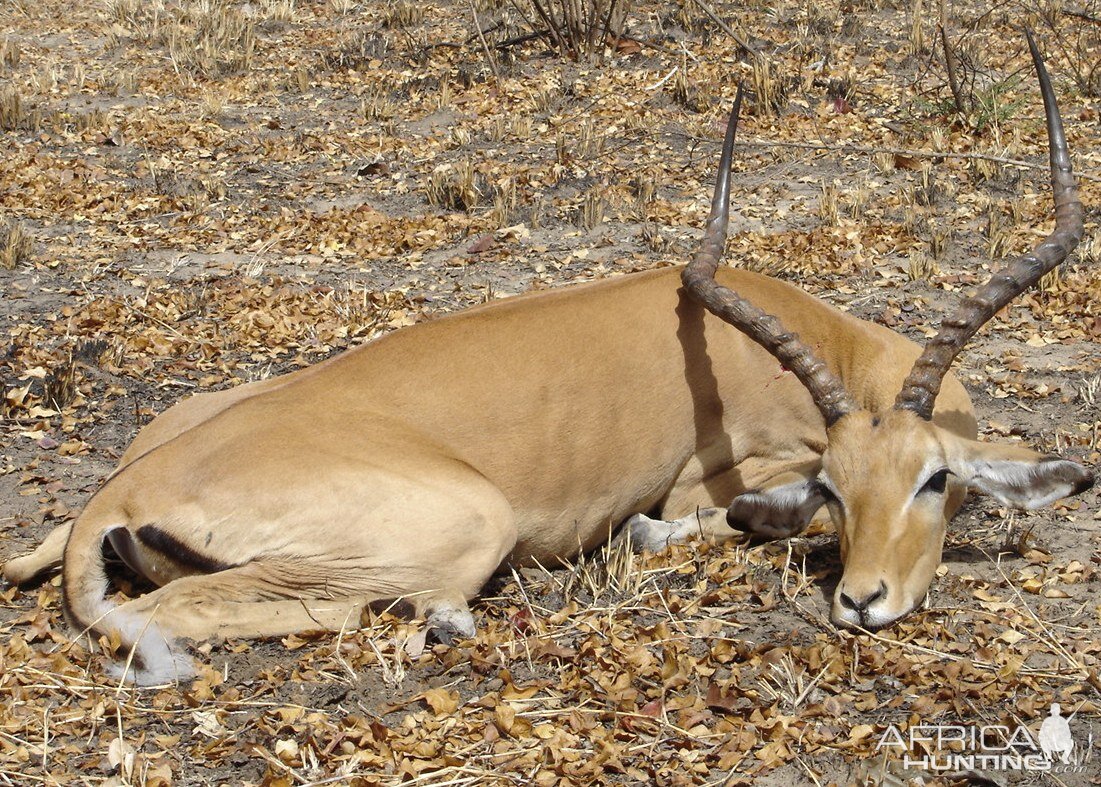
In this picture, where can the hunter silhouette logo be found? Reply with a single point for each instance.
(1055, 736)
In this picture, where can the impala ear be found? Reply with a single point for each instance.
(1018, 477)
(779, 511)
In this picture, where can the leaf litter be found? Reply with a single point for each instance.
(207, 205)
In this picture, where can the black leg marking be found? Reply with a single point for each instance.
(171, 547)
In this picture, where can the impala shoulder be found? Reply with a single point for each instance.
(772, 295)
(954, 410)
(610, 289)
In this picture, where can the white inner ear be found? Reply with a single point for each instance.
(1025, 484)
(778, 512)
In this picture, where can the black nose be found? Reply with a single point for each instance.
(859, 605)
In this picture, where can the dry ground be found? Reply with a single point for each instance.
(202, 193)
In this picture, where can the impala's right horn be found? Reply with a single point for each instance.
(829, 395)
(920, 390)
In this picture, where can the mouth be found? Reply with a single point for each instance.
(861, 624)
(871, 621)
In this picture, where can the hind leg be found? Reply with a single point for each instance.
(441, 563)
(250, 602)
(237, 602)
(253, 600)
(47, 556)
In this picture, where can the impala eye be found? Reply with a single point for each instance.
(936, 482)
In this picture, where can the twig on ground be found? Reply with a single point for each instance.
(273, 760)
(986, 666)
(1050, 639)
(485, 47)
(663, 80)
(508, 43)
(865, 150)
(714, 17)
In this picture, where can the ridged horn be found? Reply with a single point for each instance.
(829, 395)
(919, 391)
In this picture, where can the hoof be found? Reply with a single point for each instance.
(20, 570)
(449, 624)
(649, 534)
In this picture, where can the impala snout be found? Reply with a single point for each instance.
(887, 571)
(859, 603)
(856, 605)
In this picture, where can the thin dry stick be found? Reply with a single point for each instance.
(844, 148)
(31, 748)
(607, 27)
(808, 771)
(125, 768)
(45, 739)
(485, 46)
(331, 780)
(339, 641)
(273, 760)
(1080, 15)
(551, 23)
(648, 44)
(986, 666)
(23, 776)
(707, 9)
(130, 655)
(950, 58)
(677, 624)
(1051, 641)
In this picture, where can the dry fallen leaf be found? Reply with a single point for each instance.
(441, 701)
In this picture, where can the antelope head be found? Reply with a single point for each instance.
(891, 479)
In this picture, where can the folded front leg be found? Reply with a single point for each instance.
(646, 533)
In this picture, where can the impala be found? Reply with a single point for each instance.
(414, 466)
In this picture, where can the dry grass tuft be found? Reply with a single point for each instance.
(403, 14)
(828, 205)
(59, 386)
(505, 201)
(211, 39)
(356, 51)
(921, 266)
(768, 86)
(456, 186)
(917, 27)
(9, 53)
(278, 12)
(613, 573)
(16, 246)
(998, 235)
(13, 112)
(593, 208)
(377, 104)
(1051, 281)
(579, 29)
(653, 239)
